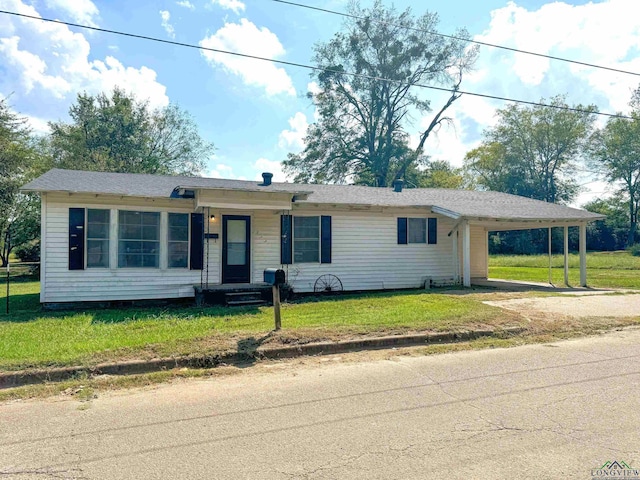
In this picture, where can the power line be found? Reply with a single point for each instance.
(454, 37)
(308, 67)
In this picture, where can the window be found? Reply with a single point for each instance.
(138, 239)
(417, 230)
(414, 230)
(306, 239)
(98, 238)
(178, 246)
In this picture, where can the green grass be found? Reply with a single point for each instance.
(604, 269)
(31, 337)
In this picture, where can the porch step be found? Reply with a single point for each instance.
(246, 303)
(237, 299)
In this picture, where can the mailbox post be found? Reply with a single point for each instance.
(275, 277)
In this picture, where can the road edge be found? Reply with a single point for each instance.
(35, 376)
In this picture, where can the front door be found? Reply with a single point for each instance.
(236, 248)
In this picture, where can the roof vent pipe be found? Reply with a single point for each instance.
(266, 179)
(397, 185)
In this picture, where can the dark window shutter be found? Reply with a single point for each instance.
(197, 241)
(76, 239)
(402, 230)
(325, 239)
(432, 239)
(285, 239)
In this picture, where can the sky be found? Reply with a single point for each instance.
(256, 112)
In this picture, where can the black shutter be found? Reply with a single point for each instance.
(285, 239)
(76, 239)
(433, 231)
(325, 239)
(197, 241)
(402, 230)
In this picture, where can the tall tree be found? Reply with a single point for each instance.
(19, 162)
(119, 133)
(369, 78)
(441, 174)
(616, 151)
(612, 232)
(533, 150)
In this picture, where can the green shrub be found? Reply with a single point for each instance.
(634, 250)
(29, 252)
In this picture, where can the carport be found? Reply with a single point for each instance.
(470, 232)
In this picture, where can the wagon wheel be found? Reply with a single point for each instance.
(327, 284)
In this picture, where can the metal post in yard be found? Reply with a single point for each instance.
(8, 274)
(276, 305)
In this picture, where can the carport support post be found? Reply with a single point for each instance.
(456, 258)
(566, 255)
(466, 254)
(583, 254)
(550, 258)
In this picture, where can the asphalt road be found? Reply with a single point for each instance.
(542, 412)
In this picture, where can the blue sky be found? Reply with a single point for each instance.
(256, 112)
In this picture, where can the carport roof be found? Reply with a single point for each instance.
(483, 205)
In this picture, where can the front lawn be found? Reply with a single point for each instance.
(30, 337)
(604, 269)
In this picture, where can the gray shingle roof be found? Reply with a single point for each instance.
(457, 203)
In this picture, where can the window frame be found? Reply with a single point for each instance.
(187, 241)
(426, 233)
(107, 239)
(319, 239)
(141, 240)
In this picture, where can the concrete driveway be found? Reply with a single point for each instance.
(554, 411)
(577, 305)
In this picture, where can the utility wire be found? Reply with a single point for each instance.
(309, 67)
(454, 37)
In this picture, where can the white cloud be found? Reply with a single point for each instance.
(81, 11)
(601, 33)
(313, 88)
(186, 4)
(222, 170)
(38, 125)
(271, 166)
(49, 59)
(236, 5)
(166, 16)
(32, 68)
(294, 139)
(245, 37)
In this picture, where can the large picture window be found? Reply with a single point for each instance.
(98, 221)
(138, 239)
(306, 239)
(178, 244)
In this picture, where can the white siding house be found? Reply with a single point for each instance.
(113, 237)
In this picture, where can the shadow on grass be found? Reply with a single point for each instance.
(336, 297)
(173, 312)
(247, 348)
(24, 308)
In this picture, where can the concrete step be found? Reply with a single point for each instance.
(244, 298)
(245, 303)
